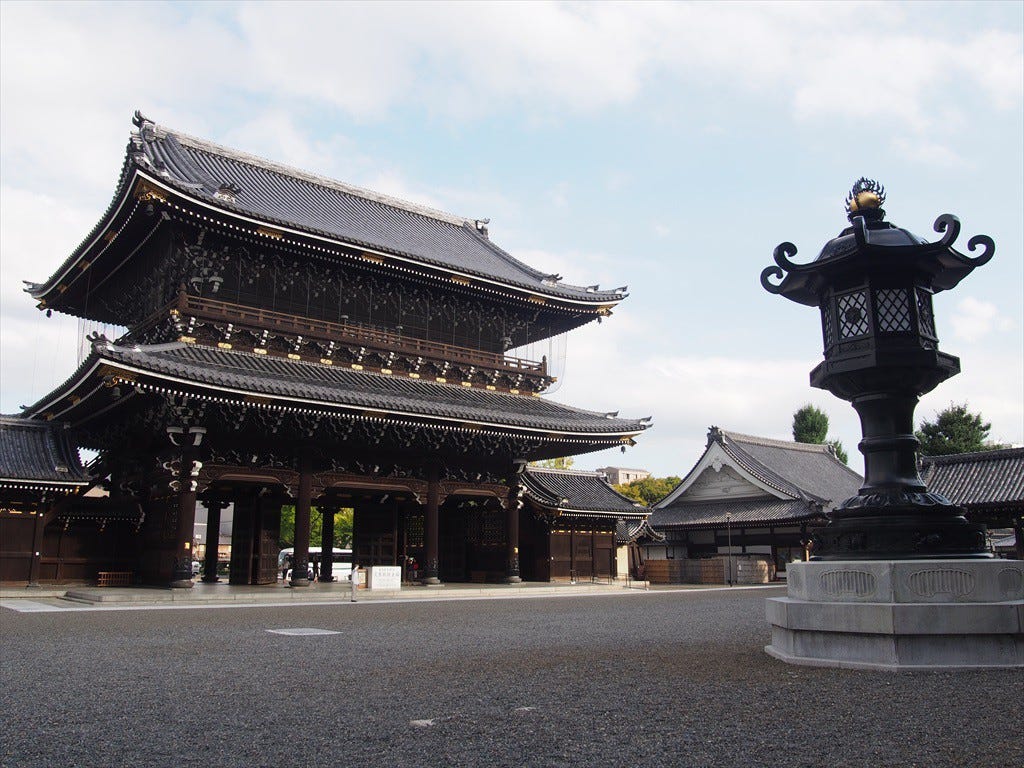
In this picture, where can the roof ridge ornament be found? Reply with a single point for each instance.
(147, 128)
(865, 199)
(714, 435)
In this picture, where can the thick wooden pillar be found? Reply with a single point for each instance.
(327, 543)
(430, 528)
(300, 559)
(212, 540)
(183, 554)
(37, 547)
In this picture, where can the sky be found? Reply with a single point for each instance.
(667, 147)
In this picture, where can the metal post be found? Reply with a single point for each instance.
(728, 528)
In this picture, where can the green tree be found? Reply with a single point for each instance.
(810, 425)
(562, 462)
(342, 527)
(955, 430)
(649, 490)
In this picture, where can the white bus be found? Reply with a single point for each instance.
(341, 563)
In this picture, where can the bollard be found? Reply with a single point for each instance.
(354, 578)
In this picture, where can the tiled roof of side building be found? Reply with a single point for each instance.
(289, 197)
(982, 478)
(801, 470)
(37, 454)
(312, 385)
(750, 512)
(574, 490)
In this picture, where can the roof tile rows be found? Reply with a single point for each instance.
(577, 491)
(38, 454)
(277, 194)
(333, 386)
(985, 478)
(735, 512)
(800, 470)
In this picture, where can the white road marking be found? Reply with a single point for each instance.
(421, 723)
(30, 606)
(303, 631)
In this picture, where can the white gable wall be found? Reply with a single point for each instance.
(717, 476)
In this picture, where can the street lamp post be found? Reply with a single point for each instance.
(728, 529)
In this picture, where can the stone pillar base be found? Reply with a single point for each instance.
(182, 584)
(900, 614)
(431, 581)
(299, 583)
(513, 580)
(211, 579)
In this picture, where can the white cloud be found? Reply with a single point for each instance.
(930, 153)
(974, 319)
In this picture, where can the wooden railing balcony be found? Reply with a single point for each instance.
(345, 333)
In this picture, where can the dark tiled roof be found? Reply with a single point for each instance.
(985, 478)
(577, 491)
(277, 194)
(628, 531)
(314, 385)
(760, 512)
(37, 454)
(800, 470)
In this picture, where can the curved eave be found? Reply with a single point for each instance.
(598, 302)
(611, 514)
(56, 405)
(803, 282)
(122, 196)
(41, 485)
(747, 525)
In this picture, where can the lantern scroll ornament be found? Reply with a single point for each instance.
(873, 285)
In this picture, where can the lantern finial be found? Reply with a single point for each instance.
(866, 199)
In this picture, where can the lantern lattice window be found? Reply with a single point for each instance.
(892, 310)
(828, 326)
(853, 315)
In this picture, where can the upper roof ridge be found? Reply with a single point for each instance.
(162, 131)
(772, 442)
(971, 456)
(555, 470)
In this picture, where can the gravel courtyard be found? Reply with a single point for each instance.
(638, 679)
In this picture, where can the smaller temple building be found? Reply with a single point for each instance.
(573, 524)
(39, 470)
(989, 485)
(746, 509)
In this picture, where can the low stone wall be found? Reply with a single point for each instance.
(748, 569)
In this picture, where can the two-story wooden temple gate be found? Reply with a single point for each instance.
(292, 339)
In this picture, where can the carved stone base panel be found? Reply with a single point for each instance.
(924, 614)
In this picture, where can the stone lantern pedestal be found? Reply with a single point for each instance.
(901, 614)
(899, 578)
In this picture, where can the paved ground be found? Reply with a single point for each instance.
(646, 679)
